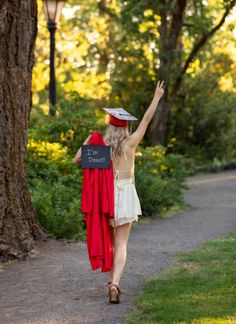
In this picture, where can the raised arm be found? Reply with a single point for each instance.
(77, 157)
(136, 137)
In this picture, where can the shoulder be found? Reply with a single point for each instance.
(128, 145)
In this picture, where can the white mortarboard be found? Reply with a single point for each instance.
(120, 113)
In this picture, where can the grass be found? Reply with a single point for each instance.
(199, 289)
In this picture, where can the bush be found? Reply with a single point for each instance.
(55, 181)
(58, 209)
(55, 186)
(76, 118)
(160, 179)
(203, 117)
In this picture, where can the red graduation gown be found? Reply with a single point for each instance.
(97, 204)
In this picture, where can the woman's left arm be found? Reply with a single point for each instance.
(77, 157)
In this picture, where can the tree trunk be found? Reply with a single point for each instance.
(170, 40)
(18, 222)
(159, 125)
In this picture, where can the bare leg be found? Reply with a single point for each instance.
(120, 242)
(112, 232)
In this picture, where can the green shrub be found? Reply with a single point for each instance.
(76, 118)
(55, 186)
(160, 179)
(55, 181)
(203, 117)
(58, 209)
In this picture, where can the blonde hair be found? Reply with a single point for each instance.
(114, 137)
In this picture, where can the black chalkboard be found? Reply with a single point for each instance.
(95, 156)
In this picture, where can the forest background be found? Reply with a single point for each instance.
(110, 53)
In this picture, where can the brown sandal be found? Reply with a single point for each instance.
(110, 282)
(114, 294)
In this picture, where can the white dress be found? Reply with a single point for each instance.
(127, 205)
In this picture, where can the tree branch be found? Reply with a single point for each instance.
(198, 46)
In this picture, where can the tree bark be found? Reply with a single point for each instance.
(18, 222)
(169, 43)
(202, 41)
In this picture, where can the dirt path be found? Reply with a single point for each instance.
(58, 286)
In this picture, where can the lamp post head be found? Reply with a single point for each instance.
(52, 10)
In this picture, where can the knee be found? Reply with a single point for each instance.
(120, 246)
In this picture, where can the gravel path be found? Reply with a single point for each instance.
(57, 285)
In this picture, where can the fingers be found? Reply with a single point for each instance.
(160, 84)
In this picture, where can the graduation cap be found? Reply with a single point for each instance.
(119, 117)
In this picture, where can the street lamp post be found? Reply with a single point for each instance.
(52, 10)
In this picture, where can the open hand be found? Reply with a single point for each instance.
(159, 89)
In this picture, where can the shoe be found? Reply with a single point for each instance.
(114, 294)
(110, 282)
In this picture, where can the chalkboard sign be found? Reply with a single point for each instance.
(95, 156)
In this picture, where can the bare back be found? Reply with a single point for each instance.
(125, 165)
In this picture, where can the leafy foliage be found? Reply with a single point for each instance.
(55, 182)
(110, 54)
(55, 186)
(160, 179)
(205, 128)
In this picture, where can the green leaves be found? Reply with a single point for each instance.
(160, 179)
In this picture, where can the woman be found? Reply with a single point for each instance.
(127, 205)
